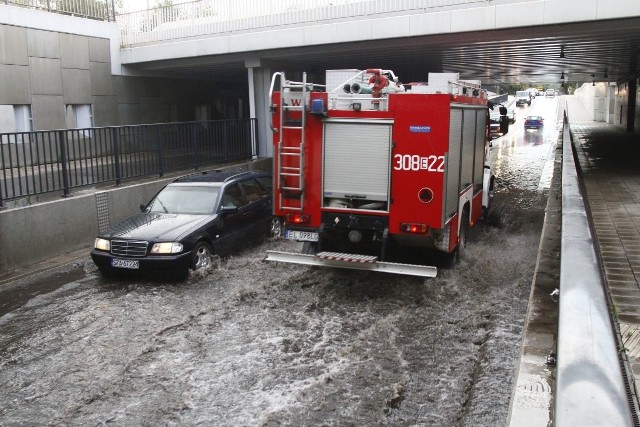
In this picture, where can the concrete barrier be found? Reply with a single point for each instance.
(33, 234)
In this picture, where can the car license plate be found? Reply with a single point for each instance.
(125, 263)
(302, 236)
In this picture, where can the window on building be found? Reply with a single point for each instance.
(24, 121)
(15, 118)
(79, 116)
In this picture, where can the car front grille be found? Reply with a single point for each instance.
(129, 248)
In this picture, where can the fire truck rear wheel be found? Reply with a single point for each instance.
(463, 236)
(458, 253)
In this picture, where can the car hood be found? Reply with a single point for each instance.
(157, 227)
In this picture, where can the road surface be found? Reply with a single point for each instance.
(250, 343)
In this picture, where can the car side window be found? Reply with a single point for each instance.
(251, 190)
(266, 183)
(232, 197)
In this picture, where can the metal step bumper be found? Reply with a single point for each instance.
(351, 261)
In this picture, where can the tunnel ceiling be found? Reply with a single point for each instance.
(583, 52)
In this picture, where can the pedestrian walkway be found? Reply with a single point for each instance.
(609, 162)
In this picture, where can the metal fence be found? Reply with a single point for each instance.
(208, 17)
(93, 9)
(34, 163)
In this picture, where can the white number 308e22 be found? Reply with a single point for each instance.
(408, 162)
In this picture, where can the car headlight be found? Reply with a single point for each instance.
(102, 244)
(166, 248)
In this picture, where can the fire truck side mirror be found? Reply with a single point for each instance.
(504, 124)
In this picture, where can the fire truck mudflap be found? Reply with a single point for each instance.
(351, 261)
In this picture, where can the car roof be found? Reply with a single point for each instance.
(217, 176)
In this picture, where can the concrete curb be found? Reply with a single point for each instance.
(534, 384)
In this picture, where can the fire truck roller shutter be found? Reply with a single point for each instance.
(356, 162)
(452, 170)
(468, 147)
(478, 166)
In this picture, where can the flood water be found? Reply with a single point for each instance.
(251, 343)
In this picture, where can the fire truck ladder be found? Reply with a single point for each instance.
(290, 170)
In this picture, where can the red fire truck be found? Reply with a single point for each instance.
(359, 175)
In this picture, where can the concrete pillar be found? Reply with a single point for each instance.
(610, 103)
(633, 86)
(252, 111)
(259, 84)
(631, 106)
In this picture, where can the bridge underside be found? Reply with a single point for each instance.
(604, 50)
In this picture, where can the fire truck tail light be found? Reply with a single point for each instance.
(425, 195)
(297, 219)
(414, 228)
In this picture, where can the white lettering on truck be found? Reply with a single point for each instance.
(408, 162)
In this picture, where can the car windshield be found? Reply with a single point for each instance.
(522, 93)
(178, 199)
(534, 118)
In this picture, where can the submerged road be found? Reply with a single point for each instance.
(249, 343)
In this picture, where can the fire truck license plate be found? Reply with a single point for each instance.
(123, 263)
(302, 236)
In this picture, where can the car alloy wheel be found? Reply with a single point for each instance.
(202, 256)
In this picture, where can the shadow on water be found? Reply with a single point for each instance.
(16, 295)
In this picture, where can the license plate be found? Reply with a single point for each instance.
(125, 263)
(302, 236)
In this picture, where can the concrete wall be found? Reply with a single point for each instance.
(49, 70)
(36, 233)
(604, 102)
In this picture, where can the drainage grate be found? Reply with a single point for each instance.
(630, 337)
(102, 207)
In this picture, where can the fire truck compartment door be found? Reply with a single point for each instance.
(356, 159)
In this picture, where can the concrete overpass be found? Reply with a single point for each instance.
(237, 46)
(499, 41)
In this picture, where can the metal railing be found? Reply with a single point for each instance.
(590, 387)
(93, 9)
(34, 163)
(208, 17)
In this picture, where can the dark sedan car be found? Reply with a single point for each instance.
(533, 122)
(190, 219)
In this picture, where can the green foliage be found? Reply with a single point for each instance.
(86, 8)
(163, 3)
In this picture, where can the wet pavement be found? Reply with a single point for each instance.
(608, 162)
(610, 170)
(254, 343)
